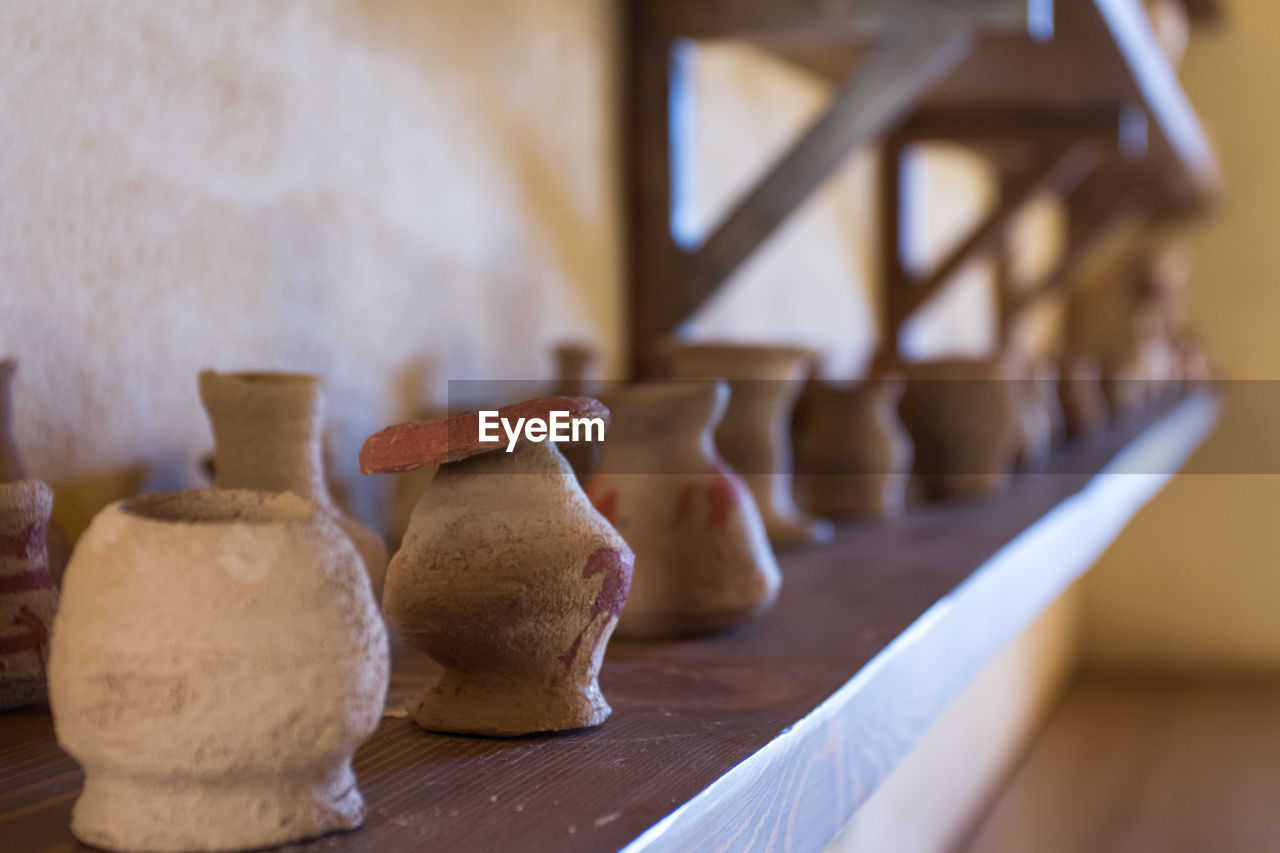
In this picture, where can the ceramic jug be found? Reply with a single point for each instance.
(755, 435)
(964, 418)
(217, 658)
(853, 455)
(508, 577)
(28, 599)
(268, 432)
(703, 561)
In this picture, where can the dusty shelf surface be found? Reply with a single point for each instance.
(767, 738)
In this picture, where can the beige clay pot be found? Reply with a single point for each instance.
(507, 577)
(964, 418)
(1084, 406)
(853, 456)
(28, 600)
(576, 377)
(703, 561)
(268, 434)
(755, 435)
(1034, 424)
(217, 658)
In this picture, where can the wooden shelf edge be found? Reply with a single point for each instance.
(928, 665)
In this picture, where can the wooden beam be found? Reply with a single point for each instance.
(811, 21)
(866, 106)
(1104, 126)
(892, 274)
(1101, 204)
(1060, 172)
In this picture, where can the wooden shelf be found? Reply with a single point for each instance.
(766, 738)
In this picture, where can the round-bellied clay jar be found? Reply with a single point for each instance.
(853, 455)
(964, 417)
(703, 561)
(268, 431)
(755, 435)
(508, 576)
(28, 600)
(217, 658)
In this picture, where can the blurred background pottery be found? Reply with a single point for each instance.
(853, 455)
(755, 435)
(12, 469)
(576, 369)
(703, 561)
(28, 599)
(267, 431)
(508, 576)
(964, 417)
(217, 658)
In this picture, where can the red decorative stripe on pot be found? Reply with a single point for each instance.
(34, 639)
(24, 542)
(612, 596)
(32, 580)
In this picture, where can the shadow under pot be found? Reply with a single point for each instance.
(508, 576)
(703, 561)
(28, 599)
(963, 416)
(853, 455)
(217, 658)
(755, 435)
(268, 432)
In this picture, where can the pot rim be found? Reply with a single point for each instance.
(219, 507)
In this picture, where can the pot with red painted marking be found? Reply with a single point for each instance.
(703, 561)
(508, 577)
(27, 596)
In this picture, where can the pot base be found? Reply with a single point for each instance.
(119, 811)
(457, 704)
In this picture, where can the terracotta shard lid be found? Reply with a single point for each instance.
(406, 446)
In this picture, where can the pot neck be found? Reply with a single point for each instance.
(269, 439)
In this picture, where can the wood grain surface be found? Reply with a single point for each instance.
(766, 738)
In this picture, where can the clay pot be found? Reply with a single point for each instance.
(1044, 388)
(217, 658)
(57, 547)
(1084, 408)
(703, 561)
(1034, 433)
(575, 377)
(853, 456)
(508, 576)
(755, 435)
(267, 432)
(27, 596)
(964, 417)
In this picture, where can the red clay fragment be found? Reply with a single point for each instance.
(404, 447)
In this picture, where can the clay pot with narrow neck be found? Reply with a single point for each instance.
(576, 377)
(1084, 406)
(217, 658)
(28, 599)
(703, 561)
(268, 434)
(12, 469)
(508, 577)
(755, 435)
(1034, 425)
(964, 418)
(853, 455)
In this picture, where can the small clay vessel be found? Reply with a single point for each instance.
(853, 455)
(703, 561)
(267, 432)
(508, 576)
(1044, 387)
(217, 658)
(1034, 433)
(755, 435)
(1084, 408)
(576, 377)
(12, 469)
(964, 417)
(28, 599)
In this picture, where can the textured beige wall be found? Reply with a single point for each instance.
(1193, 583)
(386, 192)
